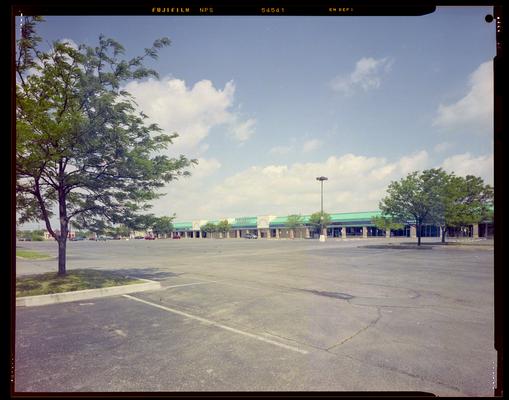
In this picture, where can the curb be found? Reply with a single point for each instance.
(30, 301)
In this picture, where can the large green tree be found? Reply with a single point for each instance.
(415, 199)
(83, 150)
(465, 201)
(435, 196)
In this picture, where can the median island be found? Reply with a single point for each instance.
(74, 280)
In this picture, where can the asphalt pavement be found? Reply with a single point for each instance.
(266, 315)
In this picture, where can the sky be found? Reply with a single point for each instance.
(266, 104)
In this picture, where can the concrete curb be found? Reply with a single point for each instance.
(30, 301)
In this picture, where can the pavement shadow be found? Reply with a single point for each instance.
(146, 273)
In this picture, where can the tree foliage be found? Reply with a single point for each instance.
(83, 150)
(224, 226)
(434, 196)
(319, 220)
(163, 225)
(386, 223)
(209, 228)
(293, 222)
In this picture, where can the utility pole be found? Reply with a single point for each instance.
(321, 179)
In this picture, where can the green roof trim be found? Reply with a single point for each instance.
(182, 225)
(245, 222)
(278, 221)
(353, 217)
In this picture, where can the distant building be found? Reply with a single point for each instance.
(342, 226)
(47, 235)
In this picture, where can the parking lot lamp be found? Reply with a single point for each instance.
(321, 179)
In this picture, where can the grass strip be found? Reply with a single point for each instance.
(80, 279)
(31, 254)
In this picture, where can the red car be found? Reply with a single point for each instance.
(150, 238)
(176, 237)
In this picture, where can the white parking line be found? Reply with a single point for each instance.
(188, 284)
(212, 323)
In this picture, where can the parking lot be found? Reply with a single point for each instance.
(266, 315)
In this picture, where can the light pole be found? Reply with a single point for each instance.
(321, 179)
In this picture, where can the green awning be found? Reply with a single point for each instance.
(245, 222)
(182, 226)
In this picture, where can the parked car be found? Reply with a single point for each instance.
(150, 237)
(176, 237)
(104, 238)
(139, 237)
(250, 236)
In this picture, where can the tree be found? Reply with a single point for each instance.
(293, 222)
(467, 201)
(415, 199)
(163, 225)
(209, 228)
(82, 147)
(319, 220)
(224, 226)
(386, 223)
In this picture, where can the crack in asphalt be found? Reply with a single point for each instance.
(370, 325)
(390, 368)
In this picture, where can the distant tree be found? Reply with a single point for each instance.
(209, 228)
(224, 227)
(163, 225)
(37, 235)
(293, 222)
(386, 223)
(26, 235)
(466, 201)
(141, 222)
(82, 148)
(416, 199)
(319, 221)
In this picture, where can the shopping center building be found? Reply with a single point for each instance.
(341, 226)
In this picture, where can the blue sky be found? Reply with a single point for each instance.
(268, 103)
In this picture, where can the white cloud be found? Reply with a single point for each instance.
(466, 164)
(441, 147)
(185, 195)
(242, 131)
(281, 150)
(473, 113)
(414, 162)
(190, 111)
(367, 75)
(69, 42)
(356, 183)
(311, 145)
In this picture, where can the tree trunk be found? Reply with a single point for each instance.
(64, 226)
(418, 234)
(62, 247)
(444, 230)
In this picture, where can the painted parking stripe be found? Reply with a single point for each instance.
(188, 284)
(212, 323)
